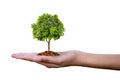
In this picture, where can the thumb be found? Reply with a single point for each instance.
(51, 59)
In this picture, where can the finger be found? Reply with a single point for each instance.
(52, 59)
(49, 65)
(26, 56)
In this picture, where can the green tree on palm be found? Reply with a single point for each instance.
(48, 27)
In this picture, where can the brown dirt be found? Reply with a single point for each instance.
(48, 53)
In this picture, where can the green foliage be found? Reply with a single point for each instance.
(47, 27)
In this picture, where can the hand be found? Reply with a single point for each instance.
(66, 58)
(74, 58)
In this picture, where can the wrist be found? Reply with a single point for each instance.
(81, 58)
(78, 58)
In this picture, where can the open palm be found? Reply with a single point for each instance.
(64, 59)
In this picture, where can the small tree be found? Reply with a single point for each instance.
(48, 27)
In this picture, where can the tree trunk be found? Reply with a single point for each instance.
(49, 45)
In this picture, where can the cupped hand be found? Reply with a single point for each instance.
(66, 58)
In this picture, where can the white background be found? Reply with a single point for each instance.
(91, 26)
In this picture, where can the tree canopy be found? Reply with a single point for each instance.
(47, 27)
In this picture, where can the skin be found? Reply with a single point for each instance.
(73, 58)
